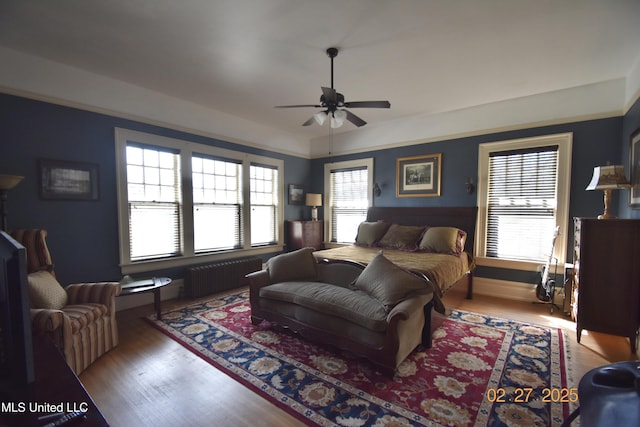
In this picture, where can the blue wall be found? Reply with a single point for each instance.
(83, 235)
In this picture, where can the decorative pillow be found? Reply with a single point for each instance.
(370, 232)
(45, 291)
(388, 283)
(296, 265)
(403, 237)
(443, 240)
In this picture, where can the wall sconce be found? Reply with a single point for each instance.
(376, 190)
(313, 200)
(470, 187)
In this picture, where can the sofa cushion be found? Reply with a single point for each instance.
(402, 237)
(389, 283)
(45, 291)
(296, 265)
(352, 305)
(369, 233)
(443, 240)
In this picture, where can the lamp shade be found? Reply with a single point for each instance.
(313, 199)
(320, 117)
(338, 118)
(7, 182)
(608, 177)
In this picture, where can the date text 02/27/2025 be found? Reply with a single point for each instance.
(526, 394)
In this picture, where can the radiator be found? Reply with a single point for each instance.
(220, 276)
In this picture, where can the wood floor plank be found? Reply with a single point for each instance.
(151, 380)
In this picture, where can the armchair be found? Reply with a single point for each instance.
(79, 318)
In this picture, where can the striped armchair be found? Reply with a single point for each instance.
(80, 318)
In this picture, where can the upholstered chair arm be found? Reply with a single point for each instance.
(99, 293)
(55, 324)
(46, 320)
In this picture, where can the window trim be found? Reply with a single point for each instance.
(328, 167)
(564, 141)
(186, 149)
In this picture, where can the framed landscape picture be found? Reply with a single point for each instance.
(296, 194)
(418, 176)
(65, 180)
(634, 193)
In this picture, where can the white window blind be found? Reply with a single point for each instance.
(264, 204)
(522, 203)
(217, 203)
(348, 202)
(153, 189)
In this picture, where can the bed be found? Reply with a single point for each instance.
(445, 271)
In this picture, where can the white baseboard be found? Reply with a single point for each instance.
(510, 290)
(170, 291)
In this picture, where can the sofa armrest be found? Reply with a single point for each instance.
(98, 293)
(259, 279)
(405, 308)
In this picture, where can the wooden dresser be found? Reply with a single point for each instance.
(302, 234)
(607, 274)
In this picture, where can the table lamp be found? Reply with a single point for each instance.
(607, 178)
(7, 182)
(314, 200)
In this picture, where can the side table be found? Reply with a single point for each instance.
(153, 284)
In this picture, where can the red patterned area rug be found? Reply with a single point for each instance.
(480, 371)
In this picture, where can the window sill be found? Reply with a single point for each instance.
(184, 261)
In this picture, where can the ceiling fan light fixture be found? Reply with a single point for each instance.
(339, 116)
(320, 117)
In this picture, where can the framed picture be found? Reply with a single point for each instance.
(634, 193)
(418, 176)
(296, 194)
(64, 180)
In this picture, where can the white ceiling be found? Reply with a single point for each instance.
(243, 57)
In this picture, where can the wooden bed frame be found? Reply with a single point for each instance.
(464, 218)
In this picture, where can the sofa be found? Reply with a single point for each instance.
(379, 311)
(80, 319)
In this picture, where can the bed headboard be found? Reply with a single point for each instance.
(463, 218)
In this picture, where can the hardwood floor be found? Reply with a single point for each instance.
(151, 380)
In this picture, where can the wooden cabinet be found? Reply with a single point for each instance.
(607, 275)
(301, 234)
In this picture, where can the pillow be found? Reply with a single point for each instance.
(296, 265)
(388, 283)
(403, 237)
(443, 240)
(45, 291)
(370, 232)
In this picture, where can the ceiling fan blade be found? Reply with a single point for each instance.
(354, 119)
(368, 104)
(330, 95)
(309, 122)
(297, 106)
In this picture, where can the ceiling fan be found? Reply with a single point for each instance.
(334, 105)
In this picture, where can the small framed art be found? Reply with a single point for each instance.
(296, 194)
(65, 180)
(634, 155)
(418, 176)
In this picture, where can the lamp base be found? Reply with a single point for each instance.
(607, 199)
(607, 216)
(314, 213)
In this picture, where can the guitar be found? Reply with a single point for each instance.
(545, 286)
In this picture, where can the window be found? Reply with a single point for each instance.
(523, 196)
(349, 185)
(217, 199)
(153, 186)
(264, 205)
(178, 201)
